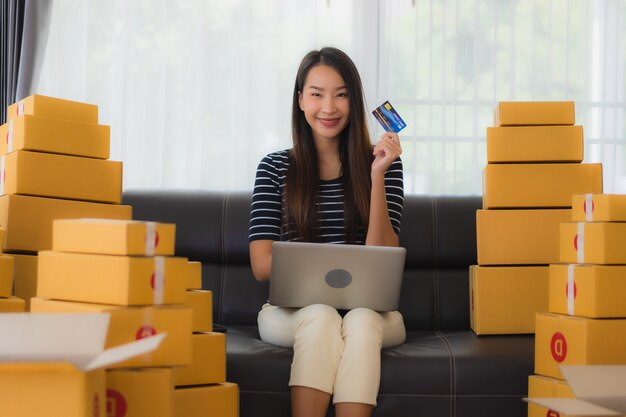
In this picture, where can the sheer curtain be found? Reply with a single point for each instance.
(196, 92)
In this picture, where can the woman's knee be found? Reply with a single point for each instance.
(363, 322)
(318, 316)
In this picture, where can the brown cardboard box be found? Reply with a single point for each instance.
(6, 275)
(28, 220)
(599, 208)
(201, 302)
(571, 340)
(519, 237)
(140, 392)
(594, 243)
(195, 275)
(215, 400)
(538, 185)
(128, 324)
(595, 291)
(25, 277)
(208, 361)
(544, 387)
(113, 237)
(12, 304)
(43, 134)
(535, 144)
(120, 280)
(505, 299)
(38, 105)
(61, 176)
(521, 113)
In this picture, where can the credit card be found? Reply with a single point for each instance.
(389, 118)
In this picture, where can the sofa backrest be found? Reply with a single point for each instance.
(439, 234)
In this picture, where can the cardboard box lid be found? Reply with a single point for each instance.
(600, 391)
(75, 338)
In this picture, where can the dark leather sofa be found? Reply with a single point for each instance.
(443, 369)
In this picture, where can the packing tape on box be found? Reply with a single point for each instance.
(580, 243)
(2, 175)
(20, 107)
(151, 238)
(571, 292)
(159, 279)
(589, 207)
(10, 137)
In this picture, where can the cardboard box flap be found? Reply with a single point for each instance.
(126, 351)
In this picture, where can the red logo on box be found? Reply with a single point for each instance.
(156, 238)
(145, 331)
(116, 404)
(567, 290)
(593, 206)
(552, 413)
(576, 242)
(558, 347)
(152, 283)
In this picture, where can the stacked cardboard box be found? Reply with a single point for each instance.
(534, 155)
(8, 302)
(53, 155)
(586, 322)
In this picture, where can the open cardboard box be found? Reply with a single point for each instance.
(53, 364)
(600, 390)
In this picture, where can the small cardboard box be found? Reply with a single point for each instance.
(28, 220)
(599, 208)
(524, 113)
(588, 290)
(25, 277)
(535, 144)
(572, 340)
(43, 134)
(208, 361)
(594, 243)
(215, 400)
(61, 176)
(6, 275)
(519, 237)
(544, 387)
(52, 365)
(538, 185)
(38, 105)
(140, 392)
(195, 276)
(201, 302)
(12, 304)
(113, 237)
(119, 280)
(133, 323)
(505, 299)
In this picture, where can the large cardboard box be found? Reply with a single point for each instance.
(505, 299)
(522, 113)
(599, 208)
(535, 144)
(12, 304)
(538, 185)
(519, 237)
(38, 105)
(195, 275)
(120, 280)
(209, 400)
(113, 237)
(544, 387)
(28, 220)
(140, 392)
(208, 361)
(594, 243)
(61, 176)
(6, 275)
(201, 302)
(53, 365)
(43, 134)
(588, 290)
(128, 324)
(572, 340)
(25, 277)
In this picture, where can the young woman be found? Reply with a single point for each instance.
(331, 187)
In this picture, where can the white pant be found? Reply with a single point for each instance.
(331, 354)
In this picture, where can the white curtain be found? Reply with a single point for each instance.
(197, 91)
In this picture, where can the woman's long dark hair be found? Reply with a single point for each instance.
(355, 153)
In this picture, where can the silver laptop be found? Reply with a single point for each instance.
(342, 276)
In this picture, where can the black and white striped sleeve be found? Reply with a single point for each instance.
(266, 213)
(394, 191)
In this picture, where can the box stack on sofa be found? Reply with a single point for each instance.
(53, 154)
(534, 156)
(586, 323)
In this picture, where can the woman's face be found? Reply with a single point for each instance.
(325, 103)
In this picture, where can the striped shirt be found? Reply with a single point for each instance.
(267, 210)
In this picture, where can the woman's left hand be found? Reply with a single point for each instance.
(386, 151)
